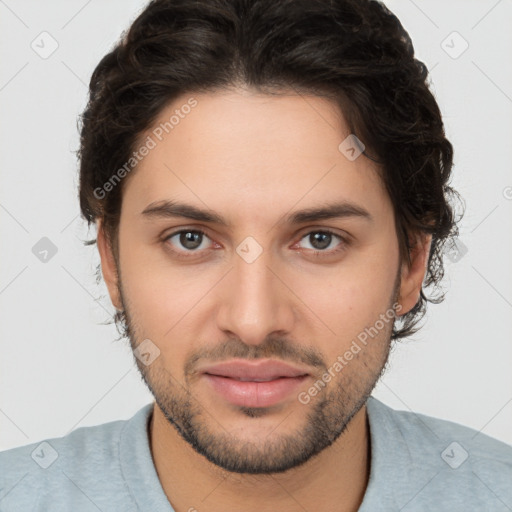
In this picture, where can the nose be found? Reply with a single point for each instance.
(255, 301)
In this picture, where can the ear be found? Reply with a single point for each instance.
(108, 266)
(414, 274)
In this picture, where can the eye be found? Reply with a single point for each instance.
(190, 240)
(321, 240)
(185, 242)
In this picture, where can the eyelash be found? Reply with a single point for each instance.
(345, 242)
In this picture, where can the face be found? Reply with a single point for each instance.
(271, 328)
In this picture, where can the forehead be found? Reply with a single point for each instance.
(251, 150)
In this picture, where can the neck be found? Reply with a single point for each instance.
(334, 480)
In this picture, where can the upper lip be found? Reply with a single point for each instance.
(267, 369)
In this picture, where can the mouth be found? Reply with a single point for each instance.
(254, 383)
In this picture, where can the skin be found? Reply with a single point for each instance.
(254, 159)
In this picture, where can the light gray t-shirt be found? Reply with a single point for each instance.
(418, 463)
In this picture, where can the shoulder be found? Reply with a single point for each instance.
(420, 430)
(77, 445)
(86, 458)
(450, 463)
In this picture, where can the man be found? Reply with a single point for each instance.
(269, 182)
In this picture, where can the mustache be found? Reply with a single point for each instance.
(272, 347)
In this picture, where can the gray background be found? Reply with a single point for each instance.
(60, 368)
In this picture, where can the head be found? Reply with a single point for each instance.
(269, 180)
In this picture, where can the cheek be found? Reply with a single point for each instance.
(158, 294)
(353, 295)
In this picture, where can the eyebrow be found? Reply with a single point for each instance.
(171, 209)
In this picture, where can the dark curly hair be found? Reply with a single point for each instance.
(353, 52)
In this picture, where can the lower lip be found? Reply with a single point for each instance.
(254, 394)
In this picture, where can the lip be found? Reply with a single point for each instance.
(254, 383)
(266, 369)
